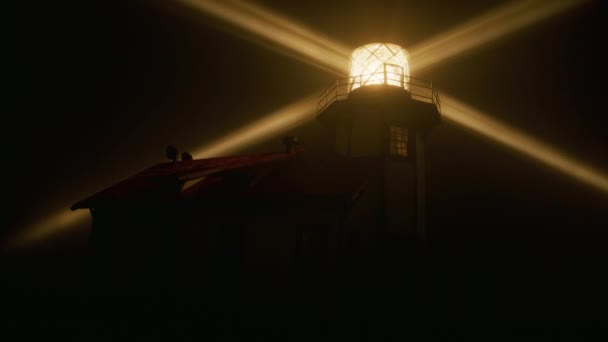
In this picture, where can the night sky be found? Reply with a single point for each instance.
(109, 84)
(105, 86)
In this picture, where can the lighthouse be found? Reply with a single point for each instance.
(380, 112)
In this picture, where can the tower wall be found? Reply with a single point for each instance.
(400, 197)
(367, 136)
(361, 125)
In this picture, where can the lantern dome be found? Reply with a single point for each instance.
(379, 63)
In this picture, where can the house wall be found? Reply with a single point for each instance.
(217, 258)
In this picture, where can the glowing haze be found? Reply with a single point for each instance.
(272, 124)
(57, 224)
(489, 27)
(320, 51)
(482, 123)
(309, 47)
(492, 25)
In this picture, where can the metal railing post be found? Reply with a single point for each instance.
(385, 80)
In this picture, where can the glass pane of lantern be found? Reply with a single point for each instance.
(379, 63)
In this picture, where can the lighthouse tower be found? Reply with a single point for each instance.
(382, 113)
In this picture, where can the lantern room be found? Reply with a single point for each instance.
(379, 63)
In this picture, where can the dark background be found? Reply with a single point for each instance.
(102, 87)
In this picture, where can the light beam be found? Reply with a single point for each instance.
(316, 49)
(289, 24)
(272, 124)
(482, 123)
(491, 26)
(325, 53)
(475, 33)
(61, 222)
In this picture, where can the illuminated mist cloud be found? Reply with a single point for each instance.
(472, 34)
(289, 24)
(326, 53)
(479, 122)
(489, 27)
(310, 47)
(484, 29)
(322, 52)
(61, 222)
(270, 125)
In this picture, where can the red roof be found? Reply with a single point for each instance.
(296, 175)
(180, 171)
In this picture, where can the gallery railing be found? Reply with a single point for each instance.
(419, 90)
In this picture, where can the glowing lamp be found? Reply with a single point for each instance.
(379, 63)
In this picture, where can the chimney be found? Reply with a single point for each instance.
(171, 153)
(186, 156)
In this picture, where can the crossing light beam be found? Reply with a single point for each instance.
(320, 51)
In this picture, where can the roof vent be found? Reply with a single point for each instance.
(171, 153)
(290, 143)
(186, 156)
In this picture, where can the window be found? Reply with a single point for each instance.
(398, 143)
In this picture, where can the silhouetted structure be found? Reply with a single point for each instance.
(171, 153)
(290, 143)
(280, 235)
(186, 156)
